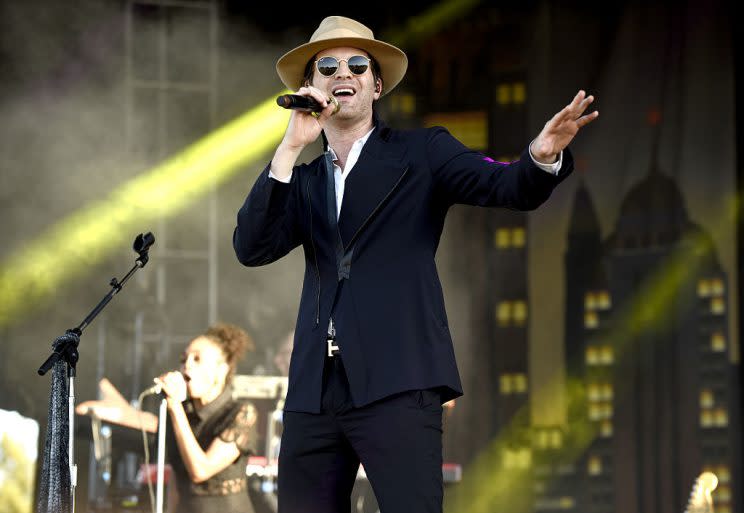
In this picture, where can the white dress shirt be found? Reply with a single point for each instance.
(340, 175)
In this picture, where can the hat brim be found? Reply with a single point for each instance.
(392, 60)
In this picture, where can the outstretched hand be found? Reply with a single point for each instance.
(114, 408)
(111, 407)
(560, 130)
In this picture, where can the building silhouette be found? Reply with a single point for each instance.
(646, 341)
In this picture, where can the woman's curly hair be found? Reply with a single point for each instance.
(233, 341)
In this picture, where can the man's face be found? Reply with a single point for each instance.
(355, 93)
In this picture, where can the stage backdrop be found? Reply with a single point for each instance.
(597, 337)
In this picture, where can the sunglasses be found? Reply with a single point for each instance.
(328, 66)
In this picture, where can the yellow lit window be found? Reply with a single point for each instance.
(722, 494)
(607, 355)
(566, 502)
(503, 313)
(717, 342)
(519, 92)
(518, 237)
(520, 383)
(703, 288)
(593, 392)
(716, 287)
(721, 417)
(407, 103)
(501, 238)
(706, 398)
(556, 439)
(591, 320)
(717, 305)
(594, 466)
(403, 102)
(603, 300)
(509, 459)
(706, 418)
(470, 128)
(519, 312)
(542, 438)
(503, 94)
(519, 458)
(592, 356)
(595, 411)
(723, 473)
(607, 411)
(506, 384)
(524, 458)
(590, 301)
(605, 429)
(607, 392)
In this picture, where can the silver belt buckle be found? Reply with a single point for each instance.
(331, 346)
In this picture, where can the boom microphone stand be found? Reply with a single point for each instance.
(65, 348)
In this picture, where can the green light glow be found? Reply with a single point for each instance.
(33, 272)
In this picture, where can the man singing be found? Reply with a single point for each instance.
(373, 358)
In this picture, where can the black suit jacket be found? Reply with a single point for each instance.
(373, 270)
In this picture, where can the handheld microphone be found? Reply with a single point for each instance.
(304, 103)
(297, 102)
(153, 390)
(156, 389)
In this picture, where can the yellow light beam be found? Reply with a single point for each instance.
(34, 271)
(429, 22)
(489, 485)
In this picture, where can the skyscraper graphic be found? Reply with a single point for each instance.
(647, 338)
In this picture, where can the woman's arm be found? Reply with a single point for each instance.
(200, 464)
(113, 408)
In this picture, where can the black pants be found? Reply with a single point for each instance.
(398, 440)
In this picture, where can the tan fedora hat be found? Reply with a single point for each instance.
(335, 31)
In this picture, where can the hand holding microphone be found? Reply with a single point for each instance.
(172, 384)
(303, 129)
(306, 103)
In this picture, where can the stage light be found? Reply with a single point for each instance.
(35, 271)
(429, 22)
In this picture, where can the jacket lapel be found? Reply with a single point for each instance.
(372, 180)
(331, 208)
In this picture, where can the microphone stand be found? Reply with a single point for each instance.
(66, 347)
(162, 413)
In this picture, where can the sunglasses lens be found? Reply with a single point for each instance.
(358, 64)
(327, 66)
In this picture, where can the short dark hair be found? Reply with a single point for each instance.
(310, 70)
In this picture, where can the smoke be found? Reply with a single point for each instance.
(66, 104)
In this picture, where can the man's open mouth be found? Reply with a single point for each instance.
(341, 91)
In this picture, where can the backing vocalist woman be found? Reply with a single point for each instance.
(213, 432)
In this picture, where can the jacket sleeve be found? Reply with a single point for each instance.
(465, 176)
(267, 227)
